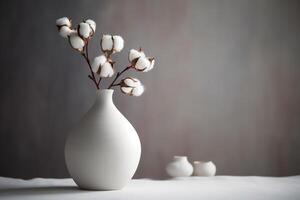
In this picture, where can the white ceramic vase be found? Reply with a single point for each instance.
(204, 168)
(179, 167)
(103, 151)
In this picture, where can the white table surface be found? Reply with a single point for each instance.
(204, 188)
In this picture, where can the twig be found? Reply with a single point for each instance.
(115, 84)
(117, 76)
(92, 75)
(99, 81)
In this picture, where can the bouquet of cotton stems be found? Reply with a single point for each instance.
(103, 66)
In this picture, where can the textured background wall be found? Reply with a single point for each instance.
(226, 86)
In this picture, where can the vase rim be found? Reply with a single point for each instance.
(183, 158)
(198, 161)
(100, 91)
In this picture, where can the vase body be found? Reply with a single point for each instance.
(103, 150)
(204, 168)
(179, 167)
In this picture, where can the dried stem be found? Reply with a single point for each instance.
(85, 54)
(115, 84)
(99, 81)
(117, 76)
(92, 75)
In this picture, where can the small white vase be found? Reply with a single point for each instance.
(179, 167)
(103, 150)
(204, 168)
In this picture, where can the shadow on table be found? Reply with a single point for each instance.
(33, 191)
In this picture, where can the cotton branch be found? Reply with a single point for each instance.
(92, 75)
(117, 76)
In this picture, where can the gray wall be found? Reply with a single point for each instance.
(226, 85)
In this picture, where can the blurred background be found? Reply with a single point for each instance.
(225, 87)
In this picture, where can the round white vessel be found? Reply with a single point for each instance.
(103, 150)
(202, 168)
(179, 167)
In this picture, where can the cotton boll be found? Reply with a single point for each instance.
(142, 64)
(107, 43)
(102, 59)
(129, 82)
(95, 67)
(106, 70)
(142, 54)
(64, 21)
(138, 91)
(126, 90)
(132, 82)
(92, 24)
(132, 86)
(84, 30)
(65, 31)
(118, 43)
(152, 62)
(134, 54)
(97, 62)
(76, 41)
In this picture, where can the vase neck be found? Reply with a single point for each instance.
(202, 162)
(104, 96)
(180, 158)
